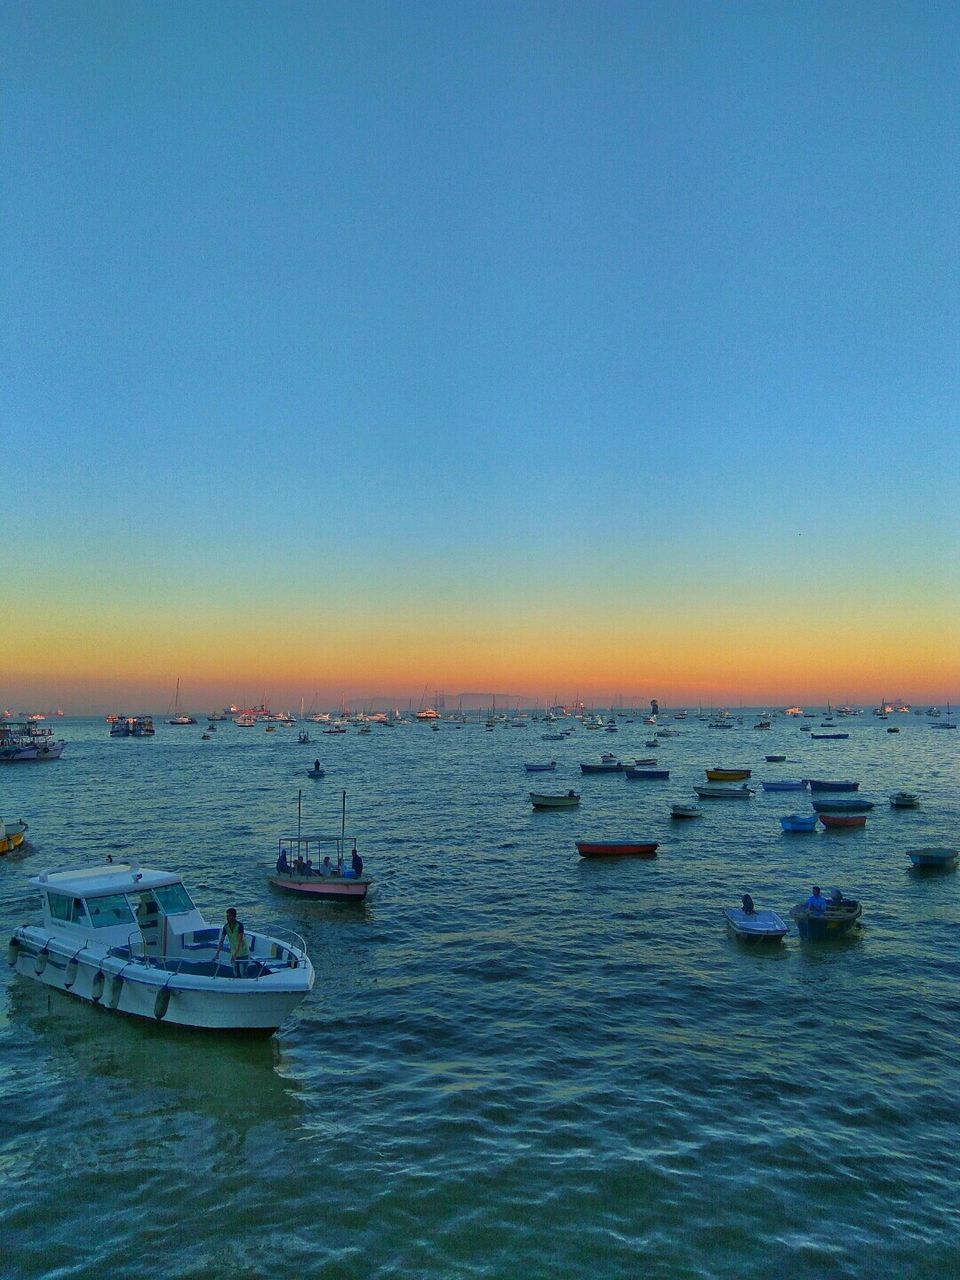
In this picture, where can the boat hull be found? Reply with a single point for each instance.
(647, 775)
(843, 821)
(255, 1006)
(762, 927)
(720, 792)
(799, 822)
(617, 849)
(833, 924)
(933, 857)
(13, 837)
(322, 888)
(541, 801)
(821, 784)
(727, 775)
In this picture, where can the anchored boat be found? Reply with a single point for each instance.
(617, 848)
(933, 857)
(321, 867)
(567, 800)
(750, 925)
(130, 939)
(841, 914)
(11, 835)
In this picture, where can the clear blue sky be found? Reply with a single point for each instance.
(366, 303)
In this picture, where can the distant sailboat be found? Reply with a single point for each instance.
(179, 717)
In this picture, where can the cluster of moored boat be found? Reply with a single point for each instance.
(835, 806)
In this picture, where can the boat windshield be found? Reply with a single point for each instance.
(112, 909)
(173, 899)
(70, 910)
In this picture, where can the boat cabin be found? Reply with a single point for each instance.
(121, 905)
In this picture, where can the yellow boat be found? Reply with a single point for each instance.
(727, 775)
(11, 835)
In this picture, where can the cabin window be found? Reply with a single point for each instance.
(69, 910)
(110, 910)
(173, 899)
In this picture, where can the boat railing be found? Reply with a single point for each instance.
(283, 946)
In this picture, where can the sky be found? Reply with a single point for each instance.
(371, 349)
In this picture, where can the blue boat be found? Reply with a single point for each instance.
(541, 768)
(784, 786)
(829, 736)
(855, 805)
(820, 784)
(646, 775)
(799, 822)
(933, 857)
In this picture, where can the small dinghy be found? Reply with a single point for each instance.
(840, 916)
(823, 784)
(11, 835)
(727, 775)
(799, 821)
(541, 768)
(842, 806)
(942, 858)
(750, 925)
(567, 800)
(315, 773)
(842, 821)
(775, 759)
(904, 800)
(723, 791)
(646, 775)
(686, 811)
(785, 785)
(605, 766)
(617, 849)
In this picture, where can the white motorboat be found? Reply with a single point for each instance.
(750, 925)
(129, 938)
(723, 791)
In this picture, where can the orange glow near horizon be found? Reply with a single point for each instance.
(749, 655)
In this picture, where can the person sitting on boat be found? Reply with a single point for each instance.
(283, 863)
(748, 908)
(316, 766)
(817, 903)
(299, 866)
(326, 867)
(233, 936)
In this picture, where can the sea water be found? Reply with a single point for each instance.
(514, 1062)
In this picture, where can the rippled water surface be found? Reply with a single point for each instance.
(514, 1062)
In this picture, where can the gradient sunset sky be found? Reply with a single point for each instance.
(364, 348)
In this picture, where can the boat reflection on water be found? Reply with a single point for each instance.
(240, 1080)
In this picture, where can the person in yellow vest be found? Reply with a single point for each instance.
(233, 937)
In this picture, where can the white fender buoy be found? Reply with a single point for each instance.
(161, 1004)
(13, 952)
(116, 990)
(70, 973)
(41, 961)
(96, 989)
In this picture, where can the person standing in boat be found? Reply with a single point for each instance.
(233, 936)
(817, 903)
(283, 863)
(357, 863)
